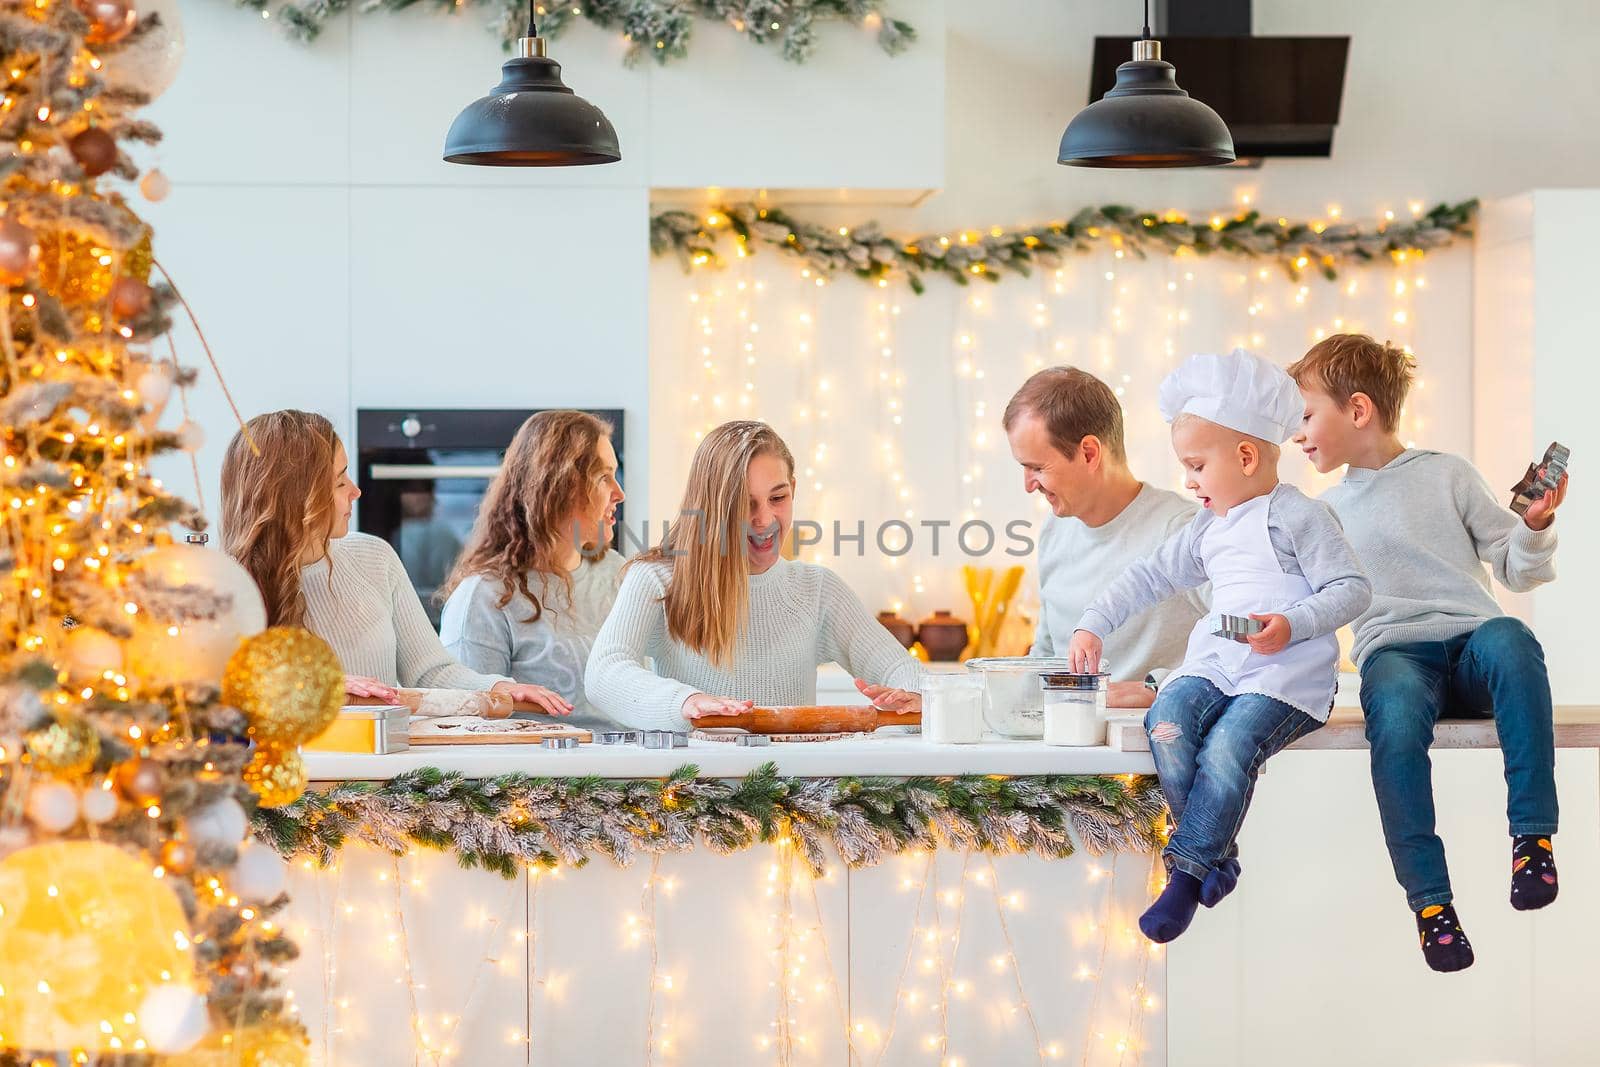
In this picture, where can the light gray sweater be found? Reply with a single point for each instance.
(369, 613)
(1429, 529)
(801, 616)
(1306, 540)
(1077, 562)
(551, 651)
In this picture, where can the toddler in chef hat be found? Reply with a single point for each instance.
(1272, 555)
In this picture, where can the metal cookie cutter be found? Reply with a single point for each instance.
(559, 742)
(752, 740)
(664, 739)
(1237, 627)
(1535, 485)
(617, 737)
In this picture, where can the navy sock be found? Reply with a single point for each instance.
(1219, 883)
(1173, 910)
(1533, 872)
(1444, 944)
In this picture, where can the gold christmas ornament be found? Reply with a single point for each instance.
(109, 20)
(87, 932)
(177, 856)
(140, 781)
(64, 748)
(288, 683)
(70, 267)
(276, 776)
(138, 260)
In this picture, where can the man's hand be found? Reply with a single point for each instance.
(1274, 635)
(1129, 695)
(1542, 512)
(1084, 652)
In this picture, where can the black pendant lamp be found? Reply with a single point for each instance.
(531, 119)
(1145, 120)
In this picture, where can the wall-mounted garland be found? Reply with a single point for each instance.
(872, 255)
(656, 28)
(507, 823)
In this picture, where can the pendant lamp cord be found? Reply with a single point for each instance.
(1146, 35)
(533, 30)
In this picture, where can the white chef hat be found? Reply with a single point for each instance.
(1240, 391)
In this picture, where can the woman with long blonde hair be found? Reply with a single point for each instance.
(725, 619)
(287, 496)
(537, 577)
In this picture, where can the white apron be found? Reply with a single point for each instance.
(1247, 579)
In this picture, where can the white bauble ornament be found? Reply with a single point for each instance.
(195, 651)
(222, 822)
(53, 806)
(173, 1018)
(260, 874)
(191, 435)
(154, 386)
(149, 64)
(155, 186)
(98, 805)
(91, 652)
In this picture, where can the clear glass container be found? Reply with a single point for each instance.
(1074, 709)
(1013, 702)
(952, 709)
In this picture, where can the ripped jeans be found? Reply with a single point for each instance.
(1208, 748)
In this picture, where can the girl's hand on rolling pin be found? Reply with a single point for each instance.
(356, 685)
(550, 702)
(885, 698)
(699, 704)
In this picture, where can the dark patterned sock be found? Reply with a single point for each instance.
(1444, 945)
(1533, 872)
(1219, 883)
(1173, 910)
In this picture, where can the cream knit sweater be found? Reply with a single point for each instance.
(801, 615)
(371, 616)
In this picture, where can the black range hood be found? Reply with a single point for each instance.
(1279, 96)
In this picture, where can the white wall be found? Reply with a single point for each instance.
(336, 262)
(1535, 375)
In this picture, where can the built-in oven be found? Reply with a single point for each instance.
(423, 474)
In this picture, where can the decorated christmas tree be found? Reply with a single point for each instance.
(144, 711)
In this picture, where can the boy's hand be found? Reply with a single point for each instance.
(1542, 512)
(1084, 652)
(1274, 634)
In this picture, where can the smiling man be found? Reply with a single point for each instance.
(1065, 428)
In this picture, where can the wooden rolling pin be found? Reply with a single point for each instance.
(823, 719)
(434, 703)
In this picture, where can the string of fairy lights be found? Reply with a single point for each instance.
(942, 988)
(859, 373)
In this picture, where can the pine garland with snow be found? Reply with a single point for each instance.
(657, 28)
(1299, 246)
(514, 821)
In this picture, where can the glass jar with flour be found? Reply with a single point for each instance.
(952, 709)
(1074, 709)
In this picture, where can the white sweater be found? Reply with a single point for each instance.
(551, 652)
(801, 615)
(371, 616)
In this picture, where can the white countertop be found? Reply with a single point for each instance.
(891, 754)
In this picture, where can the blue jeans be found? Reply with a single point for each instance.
(1496, 670)
(1208, 748)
